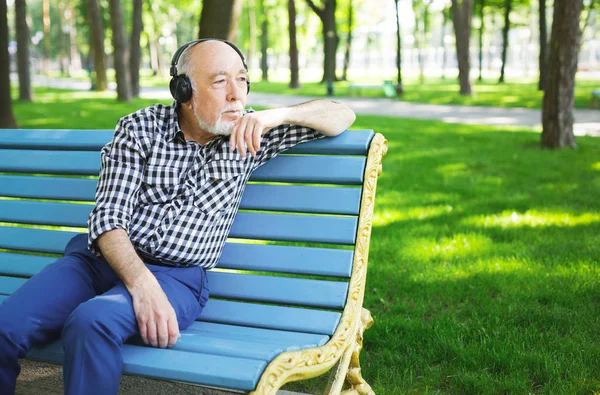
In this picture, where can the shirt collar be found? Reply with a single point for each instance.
(173, 128)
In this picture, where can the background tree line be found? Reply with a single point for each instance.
(127, 36)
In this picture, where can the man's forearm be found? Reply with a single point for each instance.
(121, 256)
(326, 116)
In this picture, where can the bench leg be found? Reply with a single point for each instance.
(348, 369)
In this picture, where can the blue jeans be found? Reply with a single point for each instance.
(80, 298)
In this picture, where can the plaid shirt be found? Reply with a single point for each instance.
(175, 198)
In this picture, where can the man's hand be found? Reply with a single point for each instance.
(251, 127)
(155, 316)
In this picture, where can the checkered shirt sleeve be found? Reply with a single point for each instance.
(122, 163)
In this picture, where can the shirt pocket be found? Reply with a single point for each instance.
(219, 186)
(160, 183)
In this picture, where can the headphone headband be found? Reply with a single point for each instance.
(179, 52)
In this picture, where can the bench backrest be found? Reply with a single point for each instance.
(289, 258)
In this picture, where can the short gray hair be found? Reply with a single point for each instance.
(186, 66)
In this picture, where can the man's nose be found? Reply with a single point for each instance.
(234, 91)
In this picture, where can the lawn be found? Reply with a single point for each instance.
(484, 263)
(438, 91)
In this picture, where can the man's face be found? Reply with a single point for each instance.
(219, 98)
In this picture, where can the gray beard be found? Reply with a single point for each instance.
(218, 127)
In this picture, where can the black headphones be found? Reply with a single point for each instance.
(180, 85)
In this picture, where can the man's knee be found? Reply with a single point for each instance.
(83, 322)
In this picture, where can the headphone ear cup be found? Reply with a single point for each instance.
(181, 88)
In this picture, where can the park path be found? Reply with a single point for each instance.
(587, 121)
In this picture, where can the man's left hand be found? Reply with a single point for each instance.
(250, 128)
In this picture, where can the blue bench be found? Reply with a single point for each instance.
(286, 297)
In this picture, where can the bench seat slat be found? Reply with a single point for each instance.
(191, 367)
(294, 291)
(310, 199)
(266, 316)
(284, 168)
(281, 227)
(352, 142)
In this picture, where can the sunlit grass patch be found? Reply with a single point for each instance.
(533, 218)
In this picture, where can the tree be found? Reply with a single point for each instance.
(97, 44)
(294, 68)
(330, 36)
(559, 96)
(543, 59)
(136, 51)
(481, 9)
(505, 29)
(23, 39)
(7, 117)
(120, 51)
(461, 17)
(264, 42)
(399, 88)
(46, 39)
(348, 41)
(219, 19)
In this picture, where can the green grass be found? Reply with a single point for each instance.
(438, 91)
(484, 273)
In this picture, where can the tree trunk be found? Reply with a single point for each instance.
(23, 64)
(7, 117)
(481, 29)
(120, 51)
(417, 34)
(543, 60)
(46, 39)
(445, 52)
(399, 88)
(219, 19)
(74, 56)
(97, 41)
(294, 68)
(348, 41)
(330, 37)
(251, 33)
(136, 50)
(462, 29)
(264, 42)
(505, 29)
(559, 97)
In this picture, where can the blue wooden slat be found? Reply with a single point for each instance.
(307, 199)
(21, 264)
(312, 169)
(281, 227)
(294, 291)
(301, 228)
(286, 259)
(54, 162)
(284, 168)
(48, 187)
(44, 213)
(351, 142)
(321, 200)
(37, 240)
(8, 285)
(206, 369)
(266, 316)
(48, 139)
(255, 257)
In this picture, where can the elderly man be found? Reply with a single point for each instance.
(170, 184)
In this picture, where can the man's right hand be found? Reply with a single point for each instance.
(155, 316)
